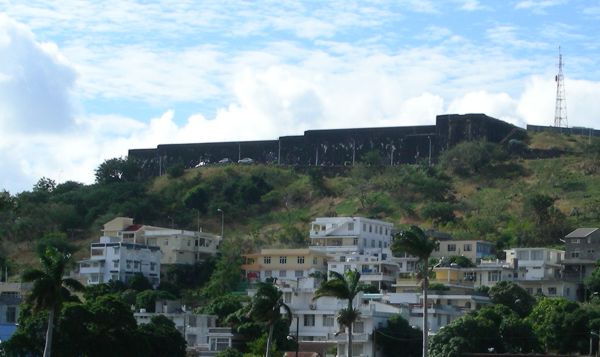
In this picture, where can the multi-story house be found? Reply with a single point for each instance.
(582, 251)
(197, 329)
(350, 234)
(378, 270)
(178, 246)
(120, 259)
(475, 250)
(297, 272)
(287, 265)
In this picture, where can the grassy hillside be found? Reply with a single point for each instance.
(477, 190)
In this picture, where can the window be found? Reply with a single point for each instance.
(287, 297)
(115, 263)
(365, 242)
(282, 260)
(355, 241)
(152, 266)
(386, 231)
(575, 254)
(359, 327)
(493, 275)
(346, 268)
(309, 320)
(529, 291)
(189, 243)
(298, 273)
(315, 261)
(196, 243)
(137, 264)
(116, 250)
(551, 290)
(575, 241)
(452, 247)
(300, 260)
(351, 226)
(372, 243)
(97, 251)
(11, 314)
(537, 254)
(282, 273)
(364, 227)
(328, 320)
(370, 228)
(379, 244)
(268, 273)
(467, 247)
(129, 263)
(267, 260)
(219, 344)
(523, 255)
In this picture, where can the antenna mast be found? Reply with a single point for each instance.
(560, 111)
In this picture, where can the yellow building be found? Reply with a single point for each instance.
(283, 264)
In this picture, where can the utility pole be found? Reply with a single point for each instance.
(560, 108)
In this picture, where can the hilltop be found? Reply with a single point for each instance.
(523, 193)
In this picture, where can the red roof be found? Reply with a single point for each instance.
(133, 228)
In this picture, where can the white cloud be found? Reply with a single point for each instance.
(538, 6)
(497, 105)
(35, 82)
(471, 5)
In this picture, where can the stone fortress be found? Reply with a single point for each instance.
(344, 147)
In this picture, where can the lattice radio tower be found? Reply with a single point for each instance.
(560, 111)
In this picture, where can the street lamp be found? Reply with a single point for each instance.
(222, 220)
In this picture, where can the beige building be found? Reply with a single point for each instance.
(178, 246)
(475, 250)
(283, 264)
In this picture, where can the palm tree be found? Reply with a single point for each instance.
(50, 289)
(266, 307)
(414, 242)
(344, 287)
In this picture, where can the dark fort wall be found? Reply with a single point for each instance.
(335, 147)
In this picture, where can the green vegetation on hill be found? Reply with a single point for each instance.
(499, 193)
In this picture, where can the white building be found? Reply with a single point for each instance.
(178, 246)
(378, 269)
(349, 234)
(536, 263)
(197, 329)
(116, 259)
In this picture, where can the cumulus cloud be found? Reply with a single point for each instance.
(35, 82)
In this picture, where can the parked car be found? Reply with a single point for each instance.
(200, 164)
(224, 161)
(246, 161)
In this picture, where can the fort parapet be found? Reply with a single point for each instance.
(336, 147)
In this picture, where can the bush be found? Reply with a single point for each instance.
(471, 157)
(439, 212)
(176, 171)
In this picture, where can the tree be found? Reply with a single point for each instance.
(399, 330)
(560, 325)
(50, 289)
(266, 307)
(162, 338)
(592, 282)
(117, 170)
(414, 242)
(344, 287)
(494, 326)
(513, 296)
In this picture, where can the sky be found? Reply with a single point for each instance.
(84, 81)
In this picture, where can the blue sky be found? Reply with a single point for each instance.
(83, 81)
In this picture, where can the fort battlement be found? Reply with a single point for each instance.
(336, 147)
